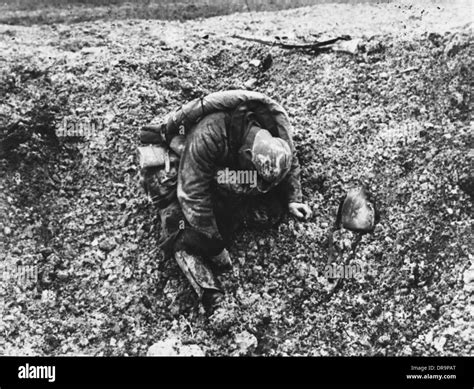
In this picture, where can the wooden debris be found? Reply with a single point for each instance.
(313, 46)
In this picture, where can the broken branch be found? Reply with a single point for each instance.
(323, 45)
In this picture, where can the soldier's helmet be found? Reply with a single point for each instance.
(272, 158)
(358, 211)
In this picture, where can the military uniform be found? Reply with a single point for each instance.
(199, 213)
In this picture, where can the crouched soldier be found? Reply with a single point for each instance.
(224, 161)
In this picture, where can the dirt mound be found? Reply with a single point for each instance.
(394, 116)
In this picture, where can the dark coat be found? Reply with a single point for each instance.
(218, 141)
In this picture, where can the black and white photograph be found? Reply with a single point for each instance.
(236, 178)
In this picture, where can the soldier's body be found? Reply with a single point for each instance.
(235, 163)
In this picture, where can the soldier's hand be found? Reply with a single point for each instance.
(300, 210)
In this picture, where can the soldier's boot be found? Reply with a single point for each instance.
(212, 300)
(201, 279)
(222, 261)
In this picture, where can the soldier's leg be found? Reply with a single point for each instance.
(228, 214)
(172, 222)
(161, 187)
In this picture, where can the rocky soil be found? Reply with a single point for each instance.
(395, 116)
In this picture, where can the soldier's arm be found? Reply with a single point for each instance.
(291, 183)
(180, 121)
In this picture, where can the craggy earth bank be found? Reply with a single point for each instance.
(395, 116)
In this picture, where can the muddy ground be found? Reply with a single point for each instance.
(395, 116)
